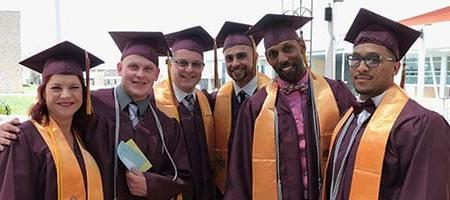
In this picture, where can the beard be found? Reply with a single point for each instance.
(291, 71)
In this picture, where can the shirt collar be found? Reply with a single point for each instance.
(124, 100)
(283, 84)
(249, 88)
(180, 94)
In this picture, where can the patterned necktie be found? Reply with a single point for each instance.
(189, 102)
(301, 88)
(242, 95)
(133, 113)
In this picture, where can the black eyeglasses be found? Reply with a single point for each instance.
(371, 60)
(184, 63)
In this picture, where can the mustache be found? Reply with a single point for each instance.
(288, 63)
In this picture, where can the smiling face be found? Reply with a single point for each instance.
(186, 70)
(371, 82)
(239, 60)
(63, 96)
(137, 76)
(286, 58)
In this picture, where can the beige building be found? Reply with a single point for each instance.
(10, 51)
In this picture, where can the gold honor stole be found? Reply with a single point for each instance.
(367, 172)
(263, 149)
(167, 103)
(222, 124)
(68, 172)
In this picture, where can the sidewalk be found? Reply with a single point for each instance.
(4, 118)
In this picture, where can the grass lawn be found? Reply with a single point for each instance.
(19, 103)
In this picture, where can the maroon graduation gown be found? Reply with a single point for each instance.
(202, 185)
(99, 140)
(239, 180)
(417, 159)
(27, 169)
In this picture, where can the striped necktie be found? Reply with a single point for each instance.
(189, 102)
(133, 112)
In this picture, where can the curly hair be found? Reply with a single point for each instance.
(39, 110)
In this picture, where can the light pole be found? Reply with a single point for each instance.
(330, 57)
(58, 20)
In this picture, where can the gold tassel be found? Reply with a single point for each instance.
(87, 65)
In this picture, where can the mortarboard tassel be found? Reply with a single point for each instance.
(305, 59)
(216, 73)
(169, 75)
(87, 63)
(255, 59)
(402, 78)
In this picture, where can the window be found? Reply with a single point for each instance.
(411, 70)
(432, 63)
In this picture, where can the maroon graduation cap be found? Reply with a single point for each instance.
(149, 45)
(193, 39)
(63, 58)
(276, 28)
(369, 27)
(232, 34)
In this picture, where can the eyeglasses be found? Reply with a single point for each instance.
(371, 60)
(184, 64)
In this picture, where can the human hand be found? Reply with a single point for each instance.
(136, 183)
(8, 131)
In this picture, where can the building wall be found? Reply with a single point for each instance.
(10, 51)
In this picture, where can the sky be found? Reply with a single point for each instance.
(87, 22)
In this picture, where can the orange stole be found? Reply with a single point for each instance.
(167, 103)
(265, 186)
(222, 124)
(328, 113)
(367, 172)
(69, 176)
(264, 176)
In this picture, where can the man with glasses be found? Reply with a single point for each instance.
(283, 131)
(178, 98)
(386, 146)
(240, 58)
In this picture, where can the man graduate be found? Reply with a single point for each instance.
(179, 98)
(240, 56)
(387, 146)
(283, 130)
(128, 111)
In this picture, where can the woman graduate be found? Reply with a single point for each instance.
(48, 161)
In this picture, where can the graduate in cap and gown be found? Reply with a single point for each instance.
(387, 146)
(48, 160)
(128, 112)
(282, 132)
(178, 98)
(240, 58)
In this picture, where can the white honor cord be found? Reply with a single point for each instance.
(116, 140)
(277, 150)
(316, 128)
(161, 133)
